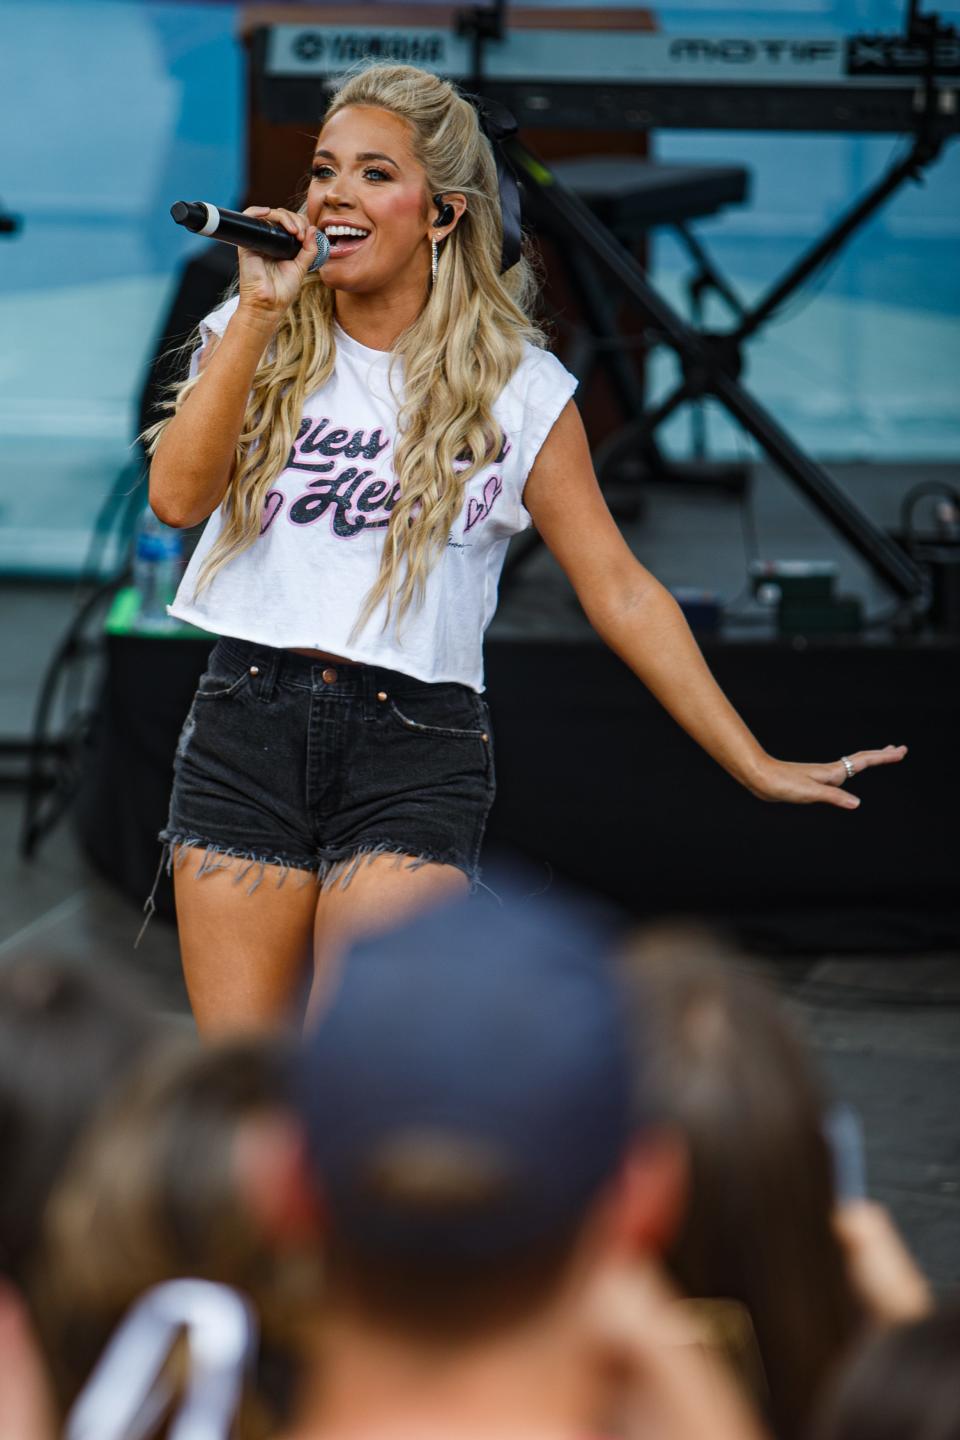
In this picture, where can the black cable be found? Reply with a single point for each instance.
(35, 825)
(113, 515)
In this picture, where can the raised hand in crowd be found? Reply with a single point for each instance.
(890, 1284)
(668, 1378)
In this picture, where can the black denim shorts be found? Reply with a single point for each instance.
(298, 763)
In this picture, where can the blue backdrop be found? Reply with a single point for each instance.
(120, 106)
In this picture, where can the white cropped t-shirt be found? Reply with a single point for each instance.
(302, 583)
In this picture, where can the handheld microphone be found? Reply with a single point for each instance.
(244, 230)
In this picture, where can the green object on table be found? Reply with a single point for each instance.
(124, 614)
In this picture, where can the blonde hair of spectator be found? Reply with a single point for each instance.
(153, 1194)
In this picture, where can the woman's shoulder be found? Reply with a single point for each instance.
(538, 390)
(539, 378)
(538, 362)
(212, 327)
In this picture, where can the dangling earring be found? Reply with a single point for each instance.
(434, 251)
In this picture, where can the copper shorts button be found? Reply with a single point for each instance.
(330, 676)
(381, 695)
(254, 669)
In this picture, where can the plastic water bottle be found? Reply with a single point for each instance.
(157, 568)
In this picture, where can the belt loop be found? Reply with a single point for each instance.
(268, 659)
(372, 687)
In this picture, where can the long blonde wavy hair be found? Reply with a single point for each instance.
(456, 357)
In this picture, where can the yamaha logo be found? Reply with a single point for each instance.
(345, 47)
(309, 46)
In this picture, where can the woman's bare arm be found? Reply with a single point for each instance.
(641, 621)
(194, 460)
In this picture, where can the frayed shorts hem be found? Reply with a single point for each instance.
(336, 866)
(335, 869)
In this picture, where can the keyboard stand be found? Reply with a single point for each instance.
(631, 196)
(728, 345)
(711, 363)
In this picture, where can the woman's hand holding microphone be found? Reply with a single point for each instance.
(268, 287)
(196, 454)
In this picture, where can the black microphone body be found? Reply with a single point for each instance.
(236, 229)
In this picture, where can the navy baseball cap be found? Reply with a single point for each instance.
(468, 1092)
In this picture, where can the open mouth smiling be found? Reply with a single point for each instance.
(344, 239)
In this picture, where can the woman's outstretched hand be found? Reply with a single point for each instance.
(813, 784)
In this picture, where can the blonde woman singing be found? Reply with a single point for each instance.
(365, 439)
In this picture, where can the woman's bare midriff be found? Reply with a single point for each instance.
(323, 655)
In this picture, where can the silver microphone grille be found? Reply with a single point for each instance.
(323, 251)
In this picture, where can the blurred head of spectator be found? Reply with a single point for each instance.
(472, 1150)
(69, 1038)
(731, 1074)
(904, 1384)
(157, 1190)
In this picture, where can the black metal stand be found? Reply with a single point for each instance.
(711, 366)
(725, 349)
(480, 24)
(729, 344)
(712, 363)
(601, 344)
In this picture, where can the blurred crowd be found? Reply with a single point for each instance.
(528, 1175)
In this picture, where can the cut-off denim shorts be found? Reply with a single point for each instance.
(303, 764)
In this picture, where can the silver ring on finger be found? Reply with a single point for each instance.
(848, 765)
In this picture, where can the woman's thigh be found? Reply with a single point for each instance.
(245, 940)
(385, 891)
(289, 774)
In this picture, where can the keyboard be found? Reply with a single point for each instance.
(630, 79)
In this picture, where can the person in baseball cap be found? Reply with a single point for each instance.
(477, 1155)
(468, 1092)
